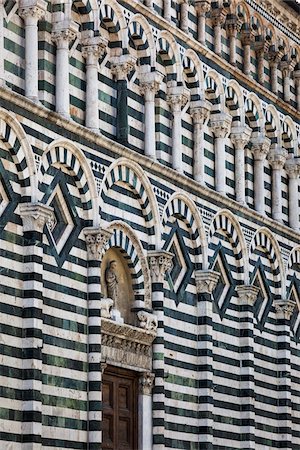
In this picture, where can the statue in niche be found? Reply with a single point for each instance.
(112, 281)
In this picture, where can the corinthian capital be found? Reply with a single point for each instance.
(277, 157)
(63, 33)
(206, 281)
(200, 111)
(177, 97)
(160, 262)
(240, 136)
(284, 308)
(218, 17)
(96, 240)
(122, 65)
(93, 48)
(35, 216)
(260, 147)
(34, 9)
(220, 124)
(150, 83)
(202, 6)
(146, 383)
(292, 167)
(247, 294)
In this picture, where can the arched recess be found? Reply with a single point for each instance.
(125, 239)
(66, 183)
(289, 136)
(168, 57)
(254, 116)
(193, 74)
(114, 26)
(20, 155)
(141, 40)
(272, 125)
(293, 289)
(87, 10)
(214, 91)
(125, 177)
(227, 254)
(266, 272)
(234, 102)
(183, 235)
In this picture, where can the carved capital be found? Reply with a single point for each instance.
(35, 216)
(218, 17)
(146, 382)
(36, 10)
(150, 83)
(177, 97)
(277, 157)
(220, 124)
(240, 136)
(159, 263)
(247, 36)
(93, 48)
(232, 25)
(260, 147)
(261, 47)
(62, 37)
(275, 55)
(96, 240)
(122, 65)
(296, 75)
(247, 294)
(284, 308)
(206, 281)
(292, 167)
(202, 7)
(286, 68)
(200, 111)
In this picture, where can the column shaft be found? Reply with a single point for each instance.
(201, 28)
(247, 59)
(150, 144)
(293, 203)
(145, 411)
(199, 153)
(167, 10)
(220, 125)
(92, 106)
(276, 194)
(259, 186)
(274, 82)
(2, 78)
(184, 19)
(240, 175)
(232, 49)
(217, 39)
(176, 141)
(31, 57)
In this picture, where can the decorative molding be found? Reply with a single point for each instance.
(126, 345)
(96, 240)
(35, 216)
(206, 281)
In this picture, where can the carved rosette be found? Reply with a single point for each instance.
(240, 136)
(206, 281)
(159, 264)
(260, 147)
(284, 308)
(35, 216)
(277, 157)
(247, 294)
(200, 111)
(220, 124)
(96, 240)
(146, 382)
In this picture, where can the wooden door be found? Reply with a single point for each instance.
(119, 397)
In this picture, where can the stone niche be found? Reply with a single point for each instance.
(124, 302)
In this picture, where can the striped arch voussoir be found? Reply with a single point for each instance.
(224, 223)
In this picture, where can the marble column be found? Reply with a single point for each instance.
(92, 50)
(160, 262)
(62, 38)
(184, 16)
(167, 10)
(218, 16)
(296, 75)
(202, 7)
(261, 48)
(277, 157)
(286, 68)
(31, 13)
(121, 66)
(149, 86)
(200, 112)
(177, 97)
(274, 56)
(96, 241)
(240, 136)
(206, 281)
(34, 217)
(247, 39)
(284, 310)
(145, 410)
(292, 167)
(247, 296)
(232, 28)
(220, 125)
(260, 149)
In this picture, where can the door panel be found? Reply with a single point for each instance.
(119, 397)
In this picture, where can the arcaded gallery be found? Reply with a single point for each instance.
(149, 225)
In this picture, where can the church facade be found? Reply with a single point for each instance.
(149, 225)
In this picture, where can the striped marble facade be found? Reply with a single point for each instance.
(162, 145)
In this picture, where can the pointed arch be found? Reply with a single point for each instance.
(66, 153)
(130, 173)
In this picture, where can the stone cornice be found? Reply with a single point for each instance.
(252, 85)
(157, 169)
